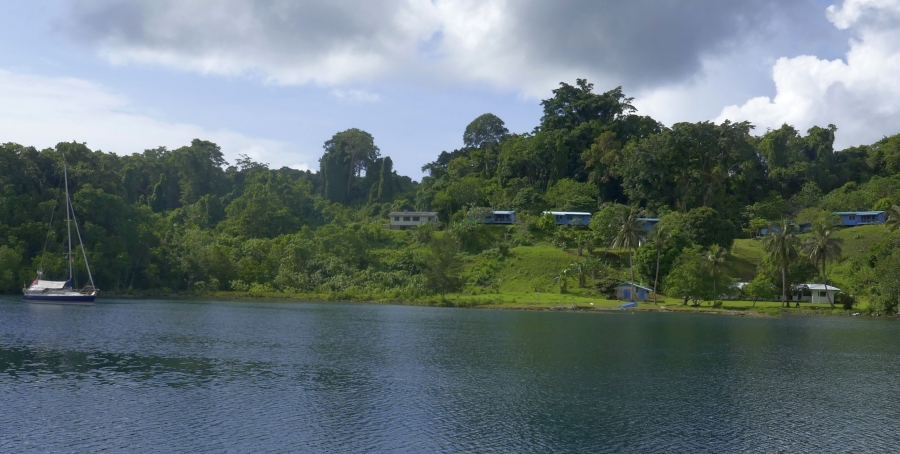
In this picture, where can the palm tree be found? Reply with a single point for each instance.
(781, 245)
(629, 236)
(580, 270)
(563, 280)
(893, 218)
(659, 238)
(715, 260)
(821, 247)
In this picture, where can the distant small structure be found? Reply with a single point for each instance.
(854, 218)
(500, 217)
(627, 291)
(570, 217)
(402, 220)
(814, 293)
(801, 228)
(648, 224)
(735, 291)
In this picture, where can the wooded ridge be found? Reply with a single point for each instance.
(185, 220)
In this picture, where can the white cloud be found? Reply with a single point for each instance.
(527, 46)
(285, 42)
(43, 111)
(355, 96)
(860, 94)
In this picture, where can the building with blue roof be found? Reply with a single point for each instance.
(500, 217)
(570, 217)
(854, 218)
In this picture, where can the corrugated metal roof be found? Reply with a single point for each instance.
(571, 213)
(629, 284)
(820, 287)
(861, 213)
(413, 213)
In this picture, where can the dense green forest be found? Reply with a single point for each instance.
(185, 220)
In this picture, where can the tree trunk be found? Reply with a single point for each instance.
(631, 264)
(784, 300)
(656, 279)
(715, 293)
(825, 278)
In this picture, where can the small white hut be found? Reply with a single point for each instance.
(821, 293)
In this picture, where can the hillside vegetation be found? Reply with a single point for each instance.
(185, 221)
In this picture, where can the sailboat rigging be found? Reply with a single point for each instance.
(45, 291)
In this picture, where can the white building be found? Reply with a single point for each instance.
(401, 220)
(820, 293)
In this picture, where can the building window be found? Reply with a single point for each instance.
(822, 295)
(415, 219)
(852, 217)
(405, 218)
(397, 218)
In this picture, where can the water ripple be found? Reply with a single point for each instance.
(160, 376)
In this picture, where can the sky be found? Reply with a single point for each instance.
(275, 79)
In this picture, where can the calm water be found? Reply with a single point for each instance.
(232, 376)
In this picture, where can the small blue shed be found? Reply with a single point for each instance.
(570, 217)
(627, 291)
(500, 217)
(853, 218)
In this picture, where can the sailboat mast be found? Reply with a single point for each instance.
(83, 252)
(68, 218)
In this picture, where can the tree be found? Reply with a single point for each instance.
(442, 271)
(603, 223)
(689, 279)
(885, 293)
(658, 238)
(347, 155)
(571, 106)
(716, 258)
(761, 288)
(581, 271)
(820, 247)
(629, 236)
(569, 195)
(563, 280)
(485, 131)
(781, 246)
(893, 218)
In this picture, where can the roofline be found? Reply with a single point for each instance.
(413, 213)
(577, 213)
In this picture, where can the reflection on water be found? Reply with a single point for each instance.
(158, 376)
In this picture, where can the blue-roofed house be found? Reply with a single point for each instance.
(500, 217)
(648, 223)
(854, 218)
(627, 291)
(570, 217)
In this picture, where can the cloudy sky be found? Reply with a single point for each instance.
(275, 79)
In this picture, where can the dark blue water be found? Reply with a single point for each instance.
(163, 376)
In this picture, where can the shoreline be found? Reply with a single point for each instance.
(503, 302)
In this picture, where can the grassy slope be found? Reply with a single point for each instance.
(526, 279)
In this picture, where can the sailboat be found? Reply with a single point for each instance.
(44, 291)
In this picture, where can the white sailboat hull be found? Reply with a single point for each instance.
(58, 296)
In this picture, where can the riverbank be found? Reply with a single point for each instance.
(528, 302)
